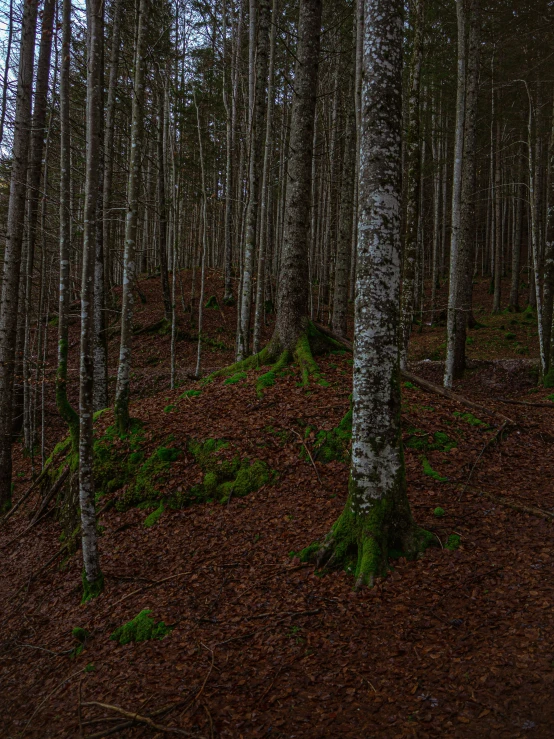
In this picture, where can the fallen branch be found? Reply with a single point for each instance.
(522, 402)
(309, 455)
(135, 717)
(56, 487)
(424, 384)
(531, 510)
(28, 492)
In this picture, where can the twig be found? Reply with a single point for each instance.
(135, 717)
(285, 613)
(309, 455)
(205, 707)
(37, 709)
(26, 494)
(79, 712)
(43, 649)
(487, 444)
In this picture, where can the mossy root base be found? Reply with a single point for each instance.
(361, 544)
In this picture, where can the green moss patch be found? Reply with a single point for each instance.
(81, 636)
(439, 512)
(469, 418)
(224, 477)
(141, 628)
(423, 442)
(191, 394)
(333, 445)
(212, 303)
(453, 542)
(154, 517)
(430, 472)
(234, 379)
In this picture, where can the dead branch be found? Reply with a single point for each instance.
(425, 384)
(522, 402)
(140, 719)
(502, 500)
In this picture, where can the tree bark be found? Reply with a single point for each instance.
(9, 298)
(129, 258)
(64, 407)
(292, 315)
(413, 154)
(92, 576)
(377, 516)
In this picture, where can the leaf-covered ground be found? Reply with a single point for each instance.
(457, 644)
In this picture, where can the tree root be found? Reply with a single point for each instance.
(501, 500)
(277, 358)
(361, 544)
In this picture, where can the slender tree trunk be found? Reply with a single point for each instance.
(377, 516)
(454, 284)
(344, 244)
(413, 153)
(516, 247)
(292, 315)
(6, 72)
(129, 257)
(109, 129)
(257, 131)
(259, 309)
(92, 575)
(14, 240)
(100, 323)
(162, 207)
(496, 306)
(64, 407)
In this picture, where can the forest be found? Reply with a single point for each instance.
(276, 368)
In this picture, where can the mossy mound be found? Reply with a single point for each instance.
(423, 442)
(225, 477)
(470, 419)
(212, 303)
(430, 472)
(333, 445)
(149, 477)
(141, 628)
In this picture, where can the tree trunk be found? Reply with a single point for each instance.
(129, 258)
(496, 306)
(92, 576)
(257, 130)
(292, 316)
(377, 516)
(516, 247)
(162, 206)
(456, 352)
(64, 407)
(413, 154)
(346, 214)
(454, 281)
(14, 239)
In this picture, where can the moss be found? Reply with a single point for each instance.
(169, 408)
(469, 418)
(81, 636)
(453, 542)
(362, 544)
(92, 590)
(269, 378)
(420, 441)
(149, 477)
(409, 385)
(141, 628)
(212, 303)
(334, 444)
(154, 517)
(510, 336)
(191, 394)
(224, 478)
(430, 472)
(234, 379)
(303, 355)
(439, 512)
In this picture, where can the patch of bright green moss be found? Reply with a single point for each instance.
(469, 418)
(430, 472)
(141, 628)
(237, 377)
(154, 517)
(453, 542)
(439, 512)
(421, 441)
(334, 444)
(191, 394)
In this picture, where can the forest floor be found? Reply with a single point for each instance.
(457, 644)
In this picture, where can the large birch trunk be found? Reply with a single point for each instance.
(377, 514)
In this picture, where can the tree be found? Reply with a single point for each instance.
(129, 257)
(377, 516)
(92, 576)
(9, 298)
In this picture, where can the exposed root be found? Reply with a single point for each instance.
(362, 544)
